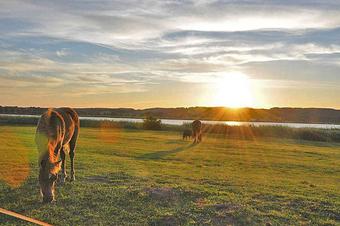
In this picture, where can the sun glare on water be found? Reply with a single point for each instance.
(233, 90)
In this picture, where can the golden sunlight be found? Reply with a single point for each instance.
(233, 90)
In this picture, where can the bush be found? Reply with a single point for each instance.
(109, 124)
(152, 123)
(312, 135)
(18, 120)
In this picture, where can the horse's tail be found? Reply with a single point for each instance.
(52, 117)
(73, 114)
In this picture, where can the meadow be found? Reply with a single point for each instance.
(130, 176)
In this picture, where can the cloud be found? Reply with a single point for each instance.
(62, 53)
(105, 47)
(126, 21)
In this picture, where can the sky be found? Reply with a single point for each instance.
(144, 54)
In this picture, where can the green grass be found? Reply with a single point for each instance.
(136, 177)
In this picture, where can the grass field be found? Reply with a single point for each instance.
(136, 177)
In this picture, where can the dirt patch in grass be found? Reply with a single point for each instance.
(268, 197)
(229, 207)
(223, 220)
(166, 221)
(162, 194)
(308, 184)
(98, 179)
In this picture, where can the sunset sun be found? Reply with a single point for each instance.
(233, 90)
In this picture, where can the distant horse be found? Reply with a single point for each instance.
(187, 134)
(56, 135)
(196, 131)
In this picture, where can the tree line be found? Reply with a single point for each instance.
(303, 115)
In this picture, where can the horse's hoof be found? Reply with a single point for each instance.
(73, 178)
(61, 182)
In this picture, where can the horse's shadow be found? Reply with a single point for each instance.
(162, 154)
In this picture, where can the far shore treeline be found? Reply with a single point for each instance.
(302, 115)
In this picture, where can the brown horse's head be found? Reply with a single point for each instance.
(48, 175)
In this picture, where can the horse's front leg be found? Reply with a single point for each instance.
(200, 137)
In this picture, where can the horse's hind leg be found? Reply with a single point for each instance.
(73, 177)
(63, 166)
(72, 152)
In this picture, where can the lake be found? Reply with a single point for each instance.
(230, 123)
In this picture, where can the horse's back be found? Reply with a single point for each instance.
(56, 124)
(196, 125)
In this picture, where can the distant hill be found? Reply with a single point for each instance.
(303, 115)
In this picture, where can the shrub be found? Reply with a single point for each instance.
(152, 123)
(312, 135)
(18, 120)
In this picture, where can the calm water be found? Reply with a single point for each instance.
(231, 123)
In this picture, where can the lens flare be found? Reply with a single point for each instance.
(14, 158)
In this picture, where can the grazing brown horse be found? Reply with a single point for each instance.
(56, 135)
(187, 134)
(196, 131)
